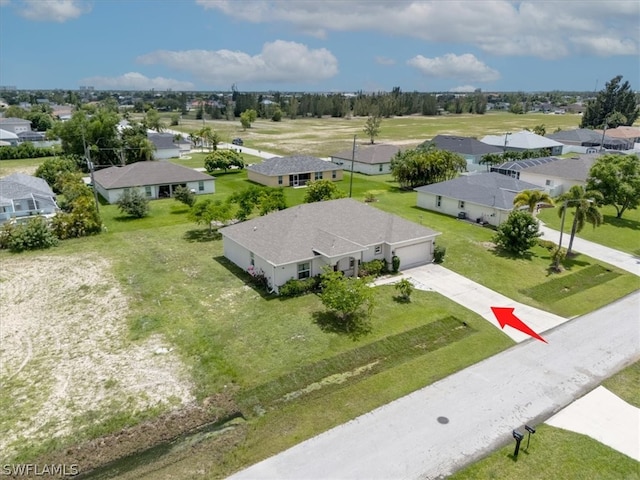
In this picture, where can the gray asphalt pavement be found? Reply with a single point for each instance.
(451, 423)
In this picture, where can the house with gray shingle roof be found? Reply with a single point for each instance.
(164, 145)
(300, 241)
(481, 197)
(152, 179)
(471, 149)
(23, 196)
(294, 171)
(370, 160)
(585, 137)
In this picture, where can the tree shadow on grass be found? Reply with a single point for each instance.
(621, 222)
(125, 218)
(503, 253)
(401, 299)
(202, 236)
(355, 328)
(179, 210)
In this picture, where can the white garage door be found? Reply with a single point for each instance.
(414, 255)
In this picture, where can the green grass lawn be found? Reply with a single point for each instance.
(28, 165)
(620, 233)
(558, 453)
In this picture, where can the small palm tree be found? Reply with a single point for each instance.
(586, 210)
(531, 199)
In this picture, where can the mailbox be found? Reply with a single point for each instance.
(517, 435)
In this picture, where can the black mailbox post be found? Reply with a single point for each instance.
(530, 430)
(518, 436)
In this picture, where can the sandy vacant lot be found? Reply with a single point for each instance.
(65, 361)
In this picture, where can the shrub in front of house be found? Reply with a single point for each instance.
(395, 263)
(33, 235)
(438, 253)
(374, 268)
(547, 244)
(295, 288)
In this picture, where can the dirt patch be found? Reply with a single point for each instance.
(65, 361)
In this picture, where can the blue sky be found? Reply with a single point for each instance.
(330, 45)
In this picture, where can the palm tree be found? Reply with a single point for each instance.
(586, 209)
(531, 199)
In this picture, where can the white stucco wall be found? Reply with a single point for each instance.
(557, 187)
(450, 206)
(166, 153)
(366, 168)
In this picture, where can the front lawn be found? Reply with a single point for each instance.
(620, 233)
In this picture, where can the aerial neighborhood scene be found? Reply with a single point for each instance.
(319, 239)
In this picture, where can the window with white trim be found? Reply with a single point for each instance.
(318, 176)
(252, 260)
(279, 179)
(304, 270)
(461, 204)
(147, 191)
(334, 174)
(201, 186)
(381, 167)
(378, 250)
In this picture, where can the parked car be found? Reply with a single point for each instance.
(237, 141)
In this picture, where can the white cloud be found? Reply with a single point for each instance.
(464, 67)
(603, 46)
(548, 29)
(385, 61)
(4, 2)
(463, 89)
(137, 81)
(53, 10)
(279, 62)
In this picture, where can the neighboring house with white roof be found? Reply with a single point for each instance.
(522, 141)
(15, 125)
(370, 160)
(298, 242)
(9, 137)
(481, 197)
(152, 179)
(23, 196)
(295, 171)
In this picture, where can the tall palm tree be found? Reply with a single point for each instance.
(531, 199)
(586, 210)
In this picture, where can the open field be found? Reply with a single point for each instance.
(25, 165)
(322, 137)
(558, 453)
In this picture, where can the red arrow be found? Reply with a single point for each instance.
(505, 316)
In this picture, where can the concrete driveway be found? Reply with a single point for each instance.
(477, 298)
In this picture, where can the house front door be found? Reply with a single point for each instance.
(295, 180)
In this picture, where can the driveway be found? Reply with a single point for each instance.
(477, 298)
(454, 422)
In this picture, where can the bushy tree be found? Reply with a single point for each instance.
(423, 166)
(617, 178)
(133, 203)
(320, 190)
(185, 195)
(372, 127)
(349, 299)
(223, 160)
(614, 105)
(52, 169)
(207, 211)
(248, 117)
(518, 233)
(271, 200)
(33, 235)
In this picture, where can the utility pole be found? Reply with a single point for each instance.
(87, 153)
(353, 158)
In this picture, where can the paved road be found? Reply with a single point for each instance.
(622, 260)
(478, 298)
(482, 405)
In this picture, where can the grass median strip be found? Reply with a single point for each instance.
(554, 290)
(353, 365)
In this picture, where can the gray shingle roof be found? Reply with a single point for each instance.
(162, 141)
(576, 168)
(464, 145)
(19, 185)
(289, 165)
(147, 173)
(576, 135)
(331, 228)
(488, 189)
(373, 154)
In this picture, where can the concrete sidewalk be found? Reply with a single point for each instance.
(452, 423)
(477, 298)
(613, 257)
